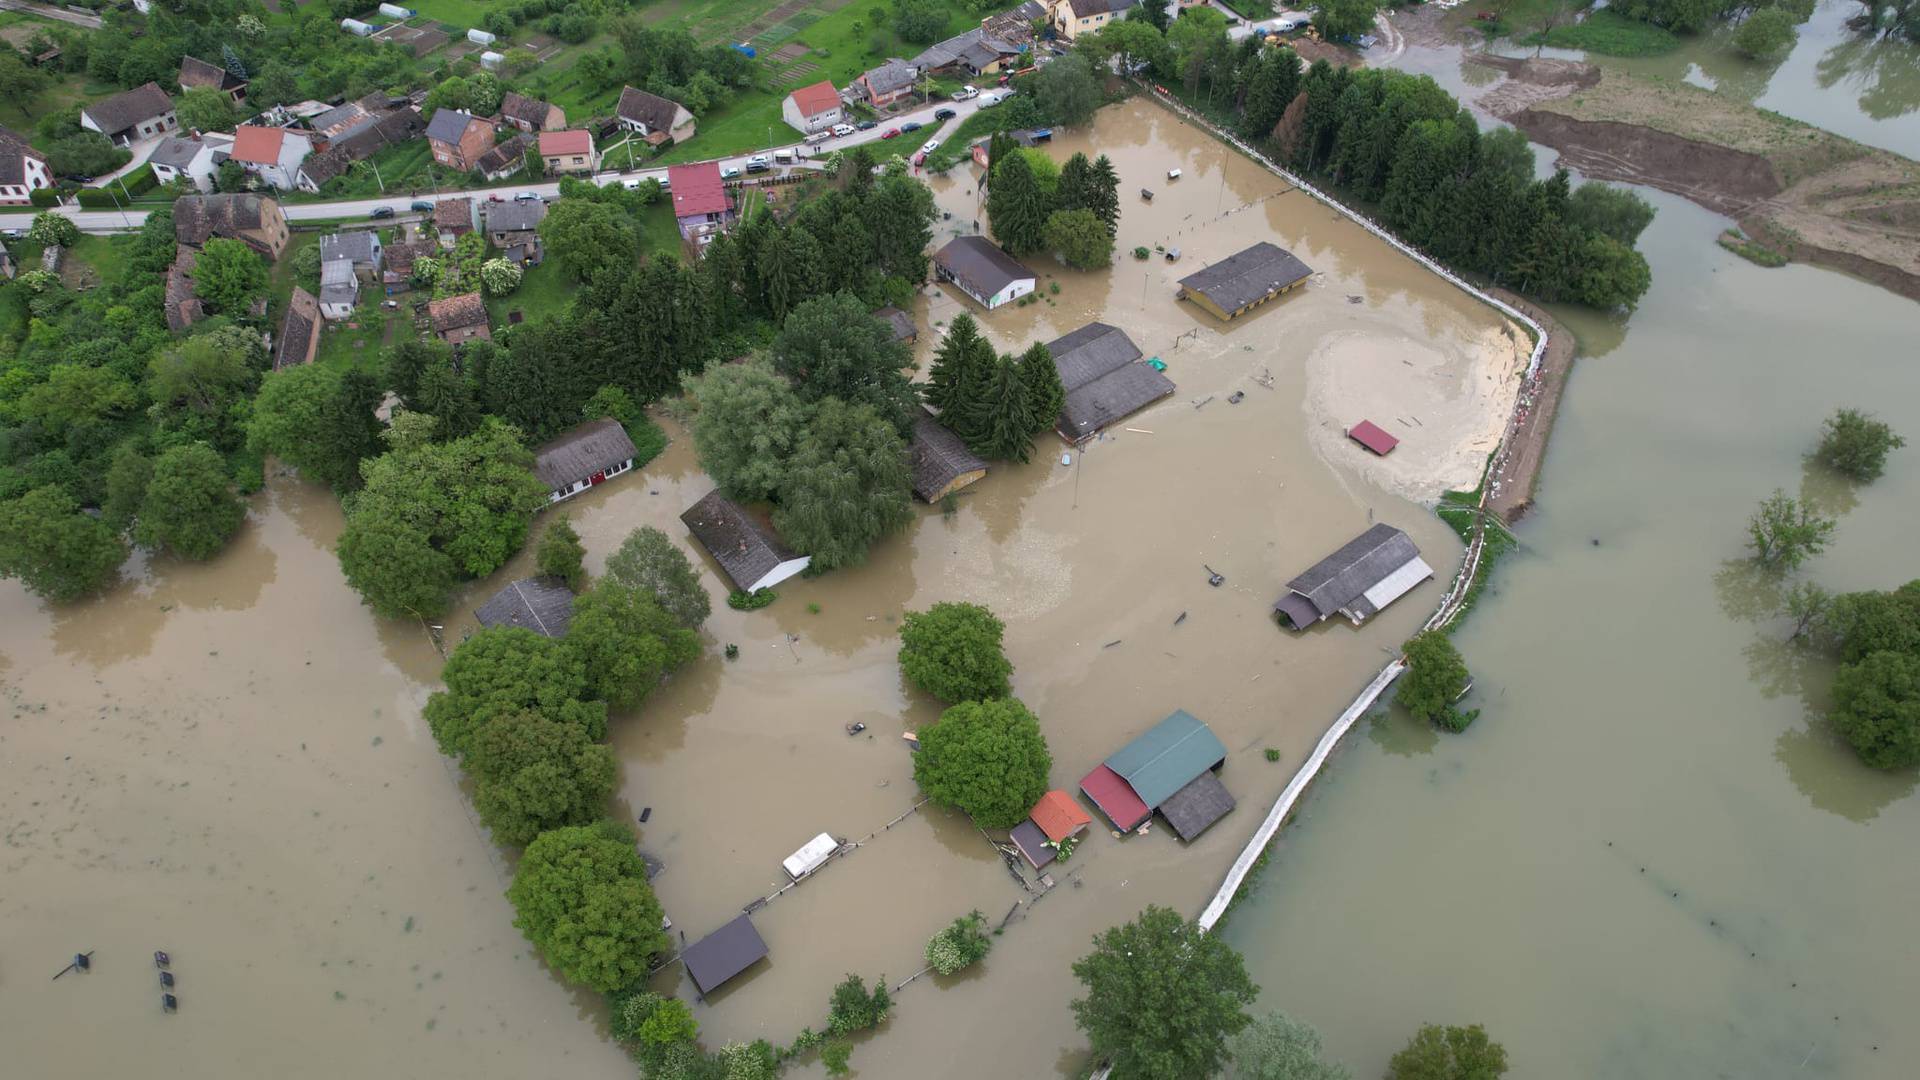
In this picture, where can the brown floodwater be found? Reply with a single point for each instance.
(227, 761)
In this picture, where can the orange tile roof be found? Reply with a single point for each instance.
(1059, 816)
(257, 145)
(816, 99)
(566, 142)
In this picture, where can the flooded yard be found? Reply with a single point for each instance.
(228, 762)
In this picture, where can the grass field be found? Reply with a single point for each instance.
(544, 291)
(1609, 34)
(100, 254)
(659, 233)
(463, 13)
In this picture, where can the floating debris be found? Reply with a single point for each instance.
(1214, 577)
(1235, 397)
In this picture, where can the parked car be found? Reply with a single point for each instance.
(783, 157)
(423, 206)
(78, 179)
(817, 138)
(728, 172)
(381, 212)
(842, 130)
(527, 196)
(965, 93)
(867, 125)
(890, 133)
(929, 147)
(911, 125)
(944, 114)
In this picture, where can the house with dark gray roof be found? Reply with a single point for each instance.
(458, 139)
(976, 52)
(723, 954)
(22, 169)
(590, 454)
(653, 118)
(940, 461)
(900, 322)
(358, 247)
(131, 115)
(514, 226)
(1368, 572)
(542, 604)
(195, 73)
(299, 331)
(981, 270)
(887, 83)
(339, 290)
(1105, 379)
(751, 556)
(1244, 280)
(194, 157)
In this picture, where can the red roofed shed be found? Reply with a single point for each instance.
(1116, 799)
(1369, 435)
(1059, 816)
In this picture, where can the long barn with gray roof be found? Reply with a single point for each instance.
(1368, 572)
(1105, 379)
(1245, 280)
(751, 556)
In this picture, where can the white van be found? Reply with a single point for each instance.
(783, 157)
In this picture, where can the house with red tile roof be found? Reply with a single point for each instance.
(700, 201)
(813, 108)
(271, 153)
(568, 151)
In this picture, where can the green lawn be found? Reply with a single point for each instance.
(1609, 34)
(543, 292)
(402, 167)
(361, 341)
(464, 13)
(659, 232)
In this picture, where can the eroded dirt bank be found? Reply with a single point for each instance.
(1811, 195)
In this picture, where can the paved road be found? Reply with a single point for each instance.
(110, 221)
(91, 22)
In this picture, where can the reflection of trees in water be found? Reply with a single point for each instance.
(1828, 492)
(1827, 771)
(123, 623)
(1398, 733)
(1747, 591)
(1884, 72)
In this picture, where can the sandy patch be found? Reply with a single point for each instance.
(1446, 408)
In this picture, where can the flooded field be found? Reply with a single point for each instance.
(227, 761)
(1649, 857)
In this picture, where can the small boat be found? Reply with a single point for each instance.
(1173, 174)
(1173, 254)
(1147, 194)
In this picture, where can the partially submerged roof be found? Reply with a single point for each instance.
(593, 447)
(1369, 435)
(1104, 377)
(1167, 756)
(1032, 844)
(743, 548)
(129, 107)
(817, 98)
(1203, 801)
(938, 457)
(1247, 276)
(723, 954)
(1344, 577)
(899, 321)
(698, 189)
(979, 266)
(1059, 816)
(1115, 799)
(542, 605)
(1090, 352)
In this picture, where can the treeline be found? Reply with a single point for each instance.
(1034, 205)
(667, 62)
(1403, 146)
(111, 428)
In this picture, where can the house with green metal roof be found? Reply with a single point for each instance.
(1169, 768)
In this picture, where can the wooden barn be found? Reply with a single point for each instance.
(1245, 280)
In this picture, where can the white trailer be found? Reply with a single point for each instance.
(811, 856)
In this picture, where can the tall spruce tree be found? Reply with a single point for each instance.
(948, 372)
(1104, 194)
(1002, 419)
(1046, 396)
(1017, 208)
(1076, 184)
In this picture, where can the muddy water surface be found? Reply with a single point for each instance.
(227, 761)
(1650, 857)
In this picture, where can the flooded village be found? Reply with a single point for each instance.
(253, 733)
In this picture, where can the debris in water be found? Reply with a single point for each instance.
(161, 959)
(1202, 402)
(166, 979)
(1066, 459)
(1112, 643)
(856, 728)
(169, 1002)
(1181, 619)
(1234, 398)
(645, 813)
(1214, 577)
(81, 962)
(1139, 431)
(1352, 299)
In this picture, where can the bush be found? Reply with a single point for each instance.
(952, 651)
(854, 1008)
(43, 197)
(1856, 445)
(740, 600)
(961, 945)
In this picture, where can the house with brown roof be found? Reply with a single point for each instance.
(22, 169)
(458, 138)
(653, 117)
(813, 108)
(453, 219)
(196, 73)
(940, 461)
(183, 307)
(568, 151)
(273, 154)
(530, 115)
(1071, 18)
(254, 219)
(397, 275)
(590, 454)
(299, 331)
(749, 553)
(459, 319)
(361, 141)
(700, 201)
(505, 158)
(131, 115)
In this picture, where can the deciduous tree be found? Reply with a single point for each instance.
(962, 944)
(49, 228)
(1080, 239)
(1856, 445)
(1067, 90)
(229, 275)
(55, 550)
(833, 346)
(205, 108)
(1162, 997)
(1278, 1047)
(953, 651)
(746, 425)
(587, 237)
(626, 643)
(1876, 707)
(318, 419)
(1784, 532)
(648, 561)
(845, 486)
(505, 671)
(1764, 33)
(986, 758)
(532, 774)
(583, 900)
(190, 508)
(1449, 1053)
(1435, 677)
(561, 554)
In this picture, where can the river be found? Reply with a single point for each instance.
(1649, 857)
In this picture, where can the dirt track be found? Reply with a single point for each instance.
(1533, 424)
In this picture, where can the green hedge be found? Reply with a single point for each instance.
(100, 198)
(43, 197)
(139, 181)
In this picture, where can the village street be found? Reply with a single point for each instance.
(906, 143)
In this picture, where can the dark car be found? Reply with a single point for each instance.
(911, 125)
(944, 114)
(867, 125)
(381, 212)
(423, 206)
(78, 179)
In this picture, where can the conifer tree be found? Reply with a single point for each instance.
(1002, 419)
(1017, 208)
(1104, 194)
(1076, 184)
(1046, 396)
(950, 360)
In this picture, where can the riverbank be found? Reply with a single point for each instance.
(1808, 194)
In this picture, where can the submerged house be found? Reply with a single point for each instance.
(750, 554)
(590, 454)
(1105, 379)
(940, 461)
(542, 605)
(981, 270)
(1169, 768)
(1244, 280)
(724, 954)
(1054, 818)
(1369, 572)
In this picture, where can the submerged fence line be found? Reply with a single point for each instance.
(1450, 604)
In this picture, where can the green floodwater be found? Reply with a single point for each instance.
(1649, 858)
